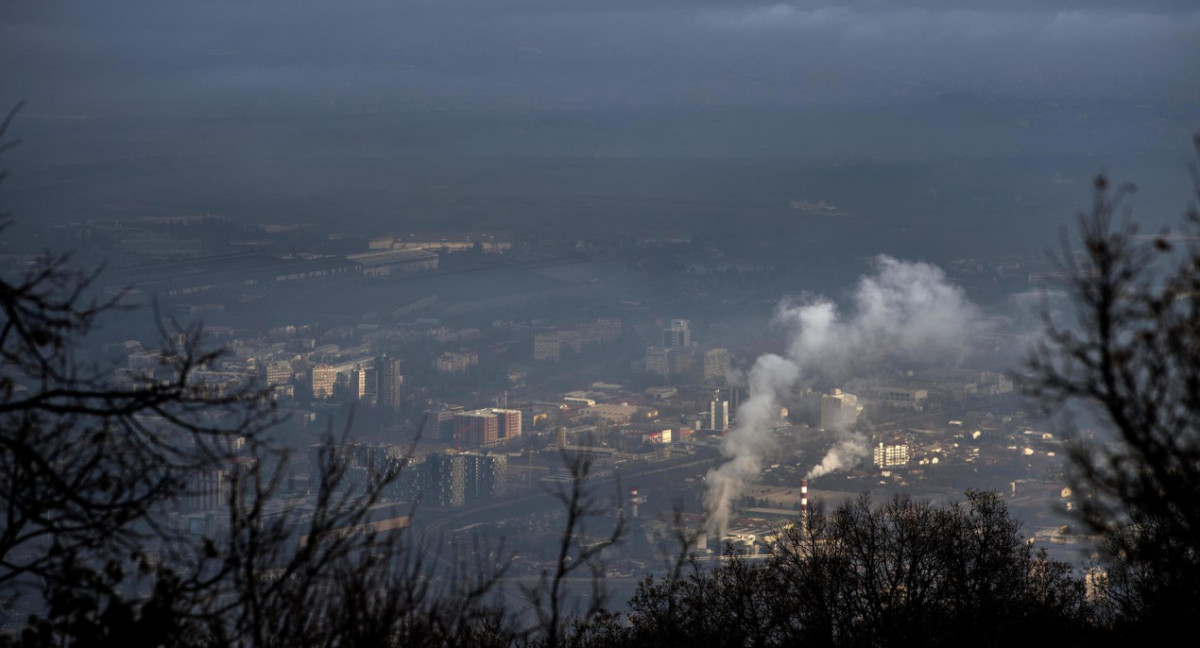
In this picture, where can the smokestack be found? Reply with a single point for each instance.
(634, 500)
(803, 504)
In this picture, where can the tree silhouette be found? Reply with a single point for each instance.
(1132, 354)
(903, 573)
(86, 460)
(557, 622)
(93, 465)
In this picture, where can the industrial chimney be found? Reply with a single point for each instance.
(803, 504)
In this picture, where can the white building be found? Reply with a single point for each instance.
(718, 415)
(890, 455)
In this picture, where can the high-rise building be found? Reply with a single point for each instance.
(450, 480)
(678, 335)
(683, 364)
(888, 455)
(278, 373)
(390, 382)
(718, 415)
(658, 361)
(322, 378)
(357, 384)
(715, 366)
(476, 429)
(438, 424)
(485, 477)
(445, 480)
(508, 423)
(486, 427)
(735, 396)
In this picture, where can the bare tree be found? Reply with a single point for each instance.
(558, 622)
(902, 573)
(1132, 354)
(90, 467)
(87, 461)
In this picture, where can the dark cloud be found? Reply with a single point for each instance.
(151, 56)
(661, 78)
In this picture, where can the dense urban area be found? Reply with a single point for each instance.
(475, 361)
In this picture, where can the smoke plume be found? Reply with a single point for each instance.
(902, 311)
(846, 453)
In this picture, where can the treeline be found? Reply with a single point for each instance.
(904, 573)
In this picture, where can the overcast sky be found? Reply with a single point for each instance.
(303, 108)
(126, 57)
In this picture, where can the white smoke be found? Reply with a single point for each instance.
(750, 441)
(902, 311)
(846, 453)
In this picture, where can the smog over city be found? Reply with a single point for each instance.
(519, 322)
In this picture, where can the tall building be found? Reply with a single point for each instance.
(718, 415)
(371, 394)
(438, 423)
(445, 480)
(358, 384)
(322, 378)
(839, 410)
(715, 365)
(683, 364)
(508, 423)
(486, 427)
(888, 455)
(678, 335)
(451, 480)
(477, 429)
(278, 373)
(485, 477)
(658, 361)
(390, 382)
(735, 396)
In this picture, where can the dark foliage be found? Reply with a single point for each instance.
(905, 573)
